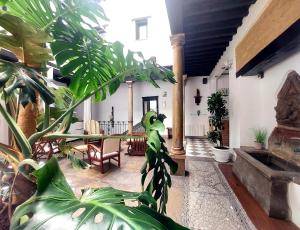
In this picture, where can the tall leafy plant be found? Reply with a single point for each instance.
(158, 162)
(106, 208)
(217, 108)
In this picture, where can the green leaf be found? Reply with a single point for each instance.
(11, 155)
(17, 132)
(15, 76)
(43, 14)
(158, 125)
(24, 40)
(3, 2)
(55, 203)
(81, 59)
(157, 161)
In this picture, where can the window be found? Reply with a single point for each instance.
(150, 104)
(141, 29)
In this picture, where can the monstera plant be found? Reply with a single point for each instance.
(39, 31)
(55, 205)
(157, 160)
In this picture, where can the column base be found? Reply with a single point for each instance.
(177, 151)
(180, 160)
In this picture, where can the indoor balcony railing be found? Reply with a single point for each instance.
(113, 127)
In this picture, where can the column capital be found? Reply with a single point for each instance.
(129, 83)
(177, 39)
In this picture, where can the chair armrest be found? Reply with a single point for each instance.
(91, 146)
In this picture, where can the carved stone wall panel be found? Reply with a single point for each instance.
(285, 138)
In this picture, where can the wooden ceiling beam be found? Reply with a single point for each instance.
(174, 8)
(202, 48)
(194, 9)
(195, 43)
(232, 23)
(208, 38)
(212, 33)
(210, 18)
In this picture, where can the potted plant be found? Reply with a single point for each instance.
(217, 108)
(260, 138)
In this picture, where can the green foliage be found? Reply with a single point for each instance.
(89, 63)
(157, 160)
(217, 108)
(18, 134)
(55, 113)
(24, 40)
(43, 14)
(55, 203)
(94, 67)
(15, 76)
(68, 150)
(81, 59)
(3, 2)
(214, 136)
(260, 135)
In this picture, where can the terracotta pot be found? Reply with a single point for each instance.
(259, 146)
(221, 155)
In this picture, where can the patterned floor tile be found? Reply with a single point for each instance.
(198, 147)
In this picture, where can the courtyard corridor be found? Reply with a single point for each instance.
(201, 200)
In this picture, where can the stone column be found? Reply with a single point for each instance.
(177, 151)
(130, 106)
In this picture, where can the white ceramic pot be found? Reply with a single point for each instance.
(222, 155)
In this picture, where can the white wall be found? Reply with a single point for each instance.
(196, 125)
(119, 100)
(252, 100)
(222, 82)
(121, 27)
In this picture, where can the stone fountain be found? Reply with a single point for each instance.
(284, 141)
(266, 173)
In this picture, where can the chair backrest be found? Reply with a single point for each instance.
(92, 127)
(111, 145)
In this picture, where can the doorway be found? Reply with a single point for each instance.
(150, 104)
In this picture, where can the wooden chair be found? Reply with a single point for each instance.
(46, 148)
(137, 145)
(110, 149)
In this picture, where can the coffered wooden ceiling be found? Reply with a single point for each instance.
(208, 26)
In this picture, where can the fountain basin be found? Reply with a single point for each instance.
(266, 177)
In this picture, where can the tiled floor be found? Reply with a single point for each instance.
(198, 147)
(203, 200)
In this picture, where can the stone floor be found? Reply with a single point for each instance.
(202, 200)
(209, 200)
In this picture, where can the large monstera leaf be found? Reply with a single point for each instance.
(81, 59)
(43, 14)
(54, 206)
(158, 162)
(134, 65)
(90, 63)
(24, 40)
(15, 76)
